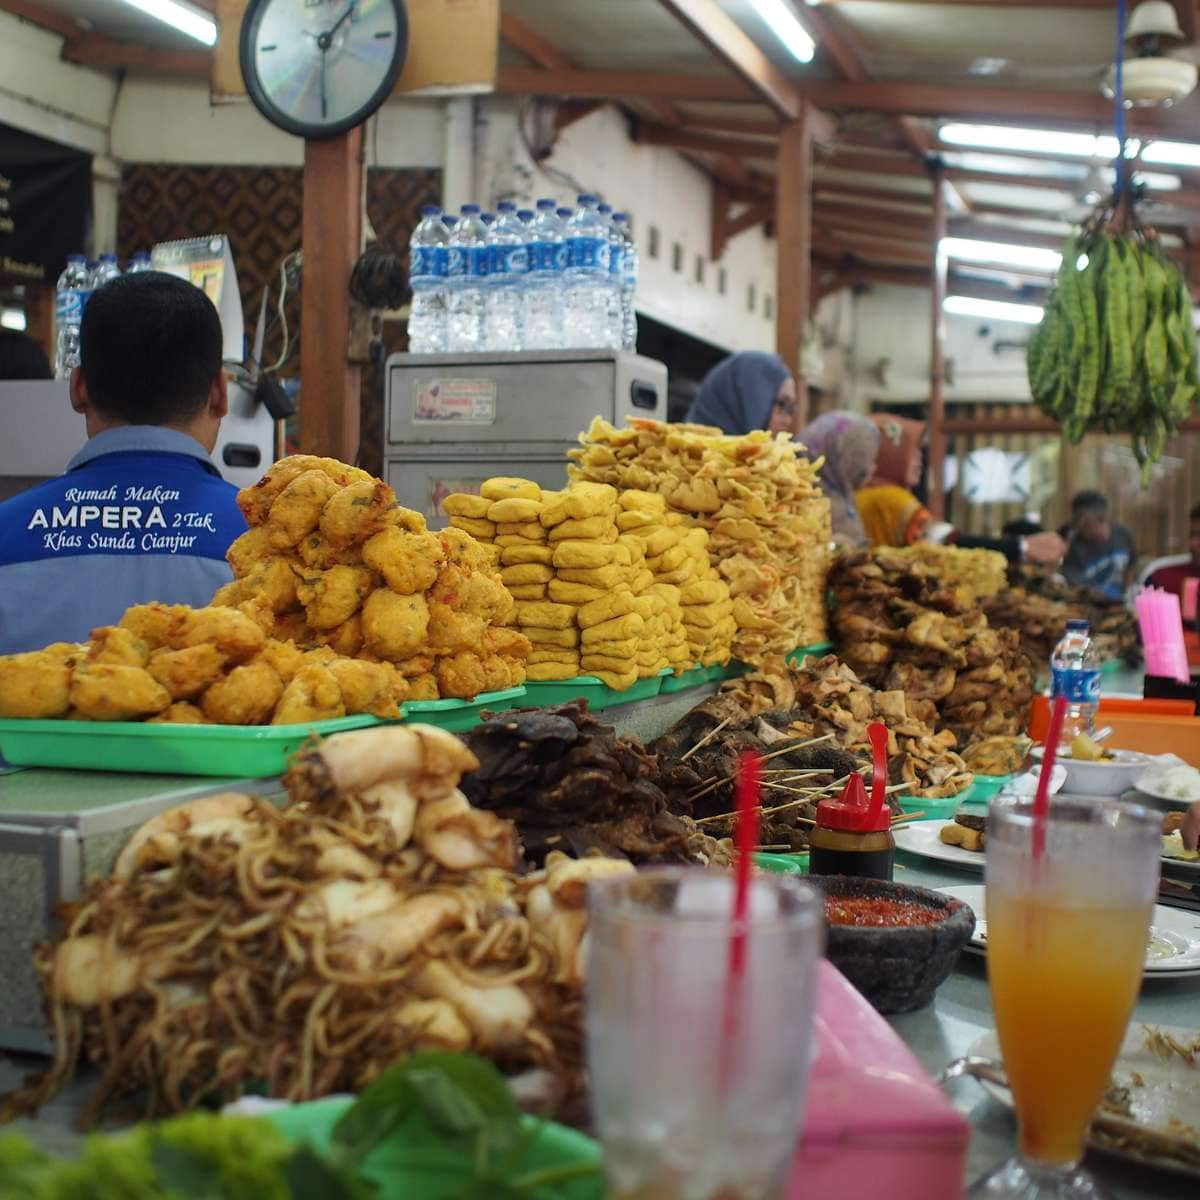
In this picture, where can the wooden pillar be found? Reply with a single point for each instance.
(39, 316)
(331, 234)
(937, 349)
(793, 246)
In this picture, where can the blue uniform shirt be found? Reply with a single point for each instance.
(141, 514)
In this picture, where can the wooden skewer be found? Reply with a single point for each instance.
(708, 737)
(798, 745)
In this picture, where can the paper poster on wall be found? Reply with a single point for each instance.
(465, 401)
(208, 263)
(439, 489)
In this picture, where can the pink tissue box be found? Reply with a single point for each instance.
(875, 1124)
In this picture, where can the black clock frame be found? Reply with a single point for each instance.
(304, 129)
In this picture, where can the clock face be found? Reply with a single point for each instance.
(319, 67)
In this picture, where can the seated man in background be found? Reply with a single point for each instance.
(1100, 555)
(1171, 578)
(142, 512)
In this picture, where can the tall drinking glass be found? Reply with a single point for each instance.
(678, 1118)
(1066, 945)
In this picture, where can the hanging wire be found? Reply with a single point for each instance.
(1119, 100)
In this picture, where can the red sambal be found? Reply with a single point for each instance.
(879, 911)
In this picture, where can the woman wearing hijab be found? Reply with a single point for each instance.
(891, 514)
(849, 444)
(745, 392)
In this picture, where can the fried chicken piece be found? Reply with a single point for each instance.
(332, 597)
(180, 713)
(297, 509)
(118, 645)
(246, 696)
(394, 627)
(37, 684)
(451, 631)
(230, 630)
(356, 512)
(312, 695)
(186, 673)
(461, 675)
(409, 562)
(256, 500)
(115, 692)
(248, 550)
(366, 686)
(921, 683)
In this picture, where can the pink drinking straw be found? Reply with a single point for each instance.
(1041, 801)
(746, 838)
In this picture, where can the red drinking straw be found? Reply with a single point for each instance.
(1041, 801)
(748, 800)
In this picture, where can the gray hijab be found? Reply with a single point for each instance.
(737, 395)
(850, 444)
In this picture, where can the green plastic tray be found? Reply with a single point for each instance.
(587, 687)
(457, 716)
(982, 789)
(696, 677)
(399, 1179)
(783, 864)
(252, 751)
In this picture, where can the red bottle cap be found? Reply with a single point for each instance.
(852, 811)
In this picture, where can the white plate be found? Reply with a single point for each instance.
(1088, 777)
(1176, 933)
(1168, 1090)
(921, 837)
(1148, 782)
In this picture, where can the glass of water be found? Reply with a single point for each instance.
(678, 1117)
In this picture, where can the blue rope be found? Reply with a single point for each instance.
(1120, 98)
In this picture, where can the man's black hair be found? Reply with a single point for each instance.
(150, 348)
(21, 357)
(1084, 502)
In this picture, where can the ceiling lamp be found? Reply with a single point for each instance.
(183, 17)
(1008, 254)
(997, 310)
(1152, 74)
(786, 26)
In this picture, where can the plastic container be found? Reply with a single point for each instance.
(803, 651)
(696, 677)
(466, 282)
(457, 716)
(429, 262)
(938, 808)
(587, 687)
(1075, 675)
(508, 265)
(783, 864)
(253, 751)
(402, 1171)
(853, 833)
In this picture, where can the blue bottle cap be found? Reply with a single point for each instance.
(506, 206)
(469, 210)
(564, 213)
(605, 208)
(525, 214)
(487, 218)
(586, 198)
(545, 203)
(621, 216)
(430, 210)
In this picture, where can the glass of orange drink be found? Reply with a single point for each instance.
(1067, 932)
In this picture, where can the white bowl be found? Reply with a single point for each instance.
(1085, 778)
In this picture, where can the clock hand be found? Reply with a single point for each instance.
(324, 99)
(342, 19)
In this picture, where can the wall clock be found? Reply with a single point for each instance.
(319, 67)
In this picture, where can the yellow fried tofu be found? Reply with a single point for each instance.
(526, 552)
(628, 625)
(114, 692)
(527, 591)
(514, 509)
(394, 627)
(460, 675)
(246, 696)
(586, 555)
(610, 605)
(591, 663)
(235, 634)
(182, 712)
(296, 511)
(661, 539)
(548, 671)
(706, 616)
(604, 578)
(313, 694)
(451, 631)
(634, 499)
(626, 648)
(462, 504)
(618, 681)
(584, 500)
(36, 685)
(634, 519)
(562, 591)
(584, 530)
(545, 615)
(118, 645)
(526, 573)
(703, 591)
(474, 526)
(641, 580)
(506, 487)
(531, 531)
(332, 597)
(186, 673)
(409, 562)
(551, 637)
(563, 654)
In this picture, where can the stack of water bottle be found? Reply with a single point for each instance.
(554, 279)
(80, 279)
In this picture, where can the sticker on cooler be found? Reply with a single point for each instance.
(466, 401)
(439, 489)
(1079, 687)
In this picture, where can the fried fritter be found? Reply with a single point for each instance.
(118, 645)
(113, 692)
(246, 696)
(256, 500)
(409, 562)
(284, 658)
(180, 713)
(423, 687)
(346, 638)
(230, 630)
(186, 673)
(462, 550)
(297, 509)
(332, 597)
(248, 550)
(356, 512)
(312, 695)
(36, 684)
(395, 627)
(366, 686)
(317, 552)
(460, 675)
(451, 631)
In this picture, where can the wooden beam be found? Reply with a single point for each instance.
(880, 198)
(793, 255)
(1041, 182)
(619, 85)
(539, 50)
(883, 225)
(726, 39)
(871, 164)
(683, 139)
(331, 232)
(570, 111)
(746, 126)
(92, 50)
(985, 231)
(53, 19)
(937, 350)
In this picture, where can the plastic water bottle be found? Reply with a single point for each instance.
(107, 268)
(1075, 674)
(616, 247)
(546, 256)
(525, 215)
(138, 263)
(629, 274)
(466, 282)
(71, 294)
(585, 303)
(508, 264)
(428, 262)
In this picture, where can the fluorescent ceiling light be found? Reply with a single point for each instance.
(1007, 253)
(1040, 141)
(1179, 154)
(12, 318)
(785, 25)
(1158, 182)
(183, 17)
(997, 310)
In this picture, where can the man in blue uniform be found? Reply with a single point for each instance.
(141, 513)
